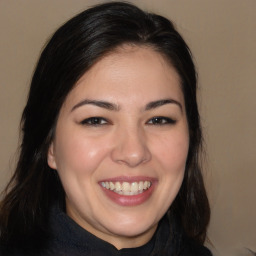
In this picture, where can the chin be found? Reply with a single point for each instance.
(132, 228)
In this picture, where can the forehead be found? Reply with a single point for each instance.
(130, 71)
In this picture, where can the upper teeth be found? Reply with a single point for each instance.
(126, 188)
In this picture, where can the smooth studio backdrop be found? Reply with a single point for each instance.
(222, 36)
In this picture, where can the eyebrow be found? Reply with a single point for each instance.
(159, 103)
(115, 107)
(98, 103)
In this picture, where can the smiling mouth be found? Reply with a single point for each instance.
(127, 188)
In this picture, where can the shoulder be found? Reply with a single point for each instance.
(5, 251)
(28, 247)
(192, 248)
(11, 251)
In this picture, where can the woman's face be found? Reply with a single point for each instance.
(121, 145)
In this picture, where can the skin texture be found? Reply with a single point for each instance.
(126, 141)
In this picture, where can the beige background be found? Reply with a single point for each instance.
(222, 36)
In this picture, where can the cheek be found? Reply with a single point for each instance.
(172, 152)
(76, 156)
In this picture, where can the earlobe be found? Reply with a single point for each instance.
(51, 157)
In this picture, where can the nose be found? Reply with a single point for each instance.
(131, 148)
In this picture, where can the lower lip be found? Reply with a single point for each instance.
(133, 200)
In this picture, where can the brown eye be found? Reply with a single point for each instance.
(94, 121)
(160, 120)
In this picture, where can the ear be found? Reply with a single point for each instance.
(51, 157)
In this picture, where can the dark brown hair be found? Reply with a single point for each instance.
(71, 51)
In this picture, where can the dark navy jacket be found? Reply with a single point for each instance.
(66, 238)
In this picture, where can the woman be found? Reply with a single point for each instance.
(109, 161)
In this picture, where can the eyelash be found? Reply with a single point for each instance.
(161, 120)
(95, 121)
(99, 121)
